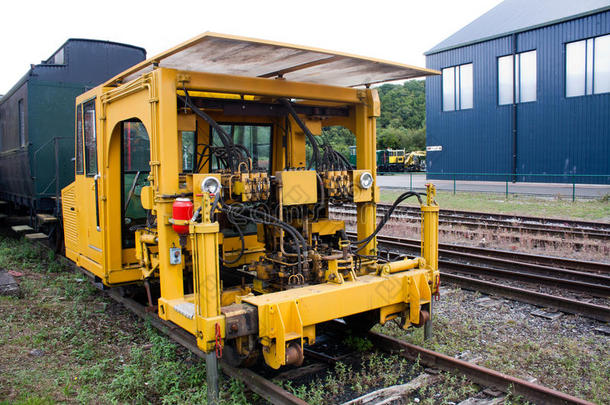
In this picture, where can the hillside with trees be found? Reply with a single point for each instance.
(402, 124)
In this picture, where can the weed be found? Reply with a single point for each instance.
(374, 371)
(358, 343)
(89, 356)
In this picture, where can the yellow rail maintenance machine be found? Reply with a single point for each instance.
(199, 175)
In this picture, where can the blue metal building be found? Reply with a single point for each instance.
(525, 89)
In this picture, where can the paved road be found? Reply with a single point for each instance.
(418, 181)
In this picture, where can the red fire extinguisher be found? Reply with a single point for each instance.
(182, 210)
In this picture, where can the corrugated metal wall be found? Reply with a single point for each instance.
(555, 134)
(27, 174)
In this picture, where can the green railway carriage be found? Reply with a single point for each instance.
(37, 115)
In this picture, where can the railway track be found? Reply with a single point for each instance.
(278, 395)
(510, 223)
(255, 382)
(479, 269)
(483, 376)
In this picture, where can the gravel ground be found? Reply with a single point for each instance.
(566, 353)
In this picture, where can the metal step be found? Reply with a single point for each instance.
(21, 228)
(3, 202)
(186, 309)
(36, 236)
(2, 216)
(45, 218)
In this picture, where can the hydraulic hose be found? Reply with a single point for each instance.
(386, 217)
(301, 124)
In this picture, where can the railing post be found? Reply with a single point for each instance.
(411, 184)
(573, 188)
(507, 180)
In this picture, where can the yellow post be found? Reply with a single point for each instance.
(165, 169)
(366, 159)
(429, 247)
(429, 230)
(206, 279)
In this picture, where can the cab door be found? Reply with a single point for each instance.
(90, 184)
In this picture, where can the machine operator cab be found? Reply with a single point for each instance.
(201, 175)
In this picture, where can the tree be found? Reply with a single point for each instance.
(402, 124)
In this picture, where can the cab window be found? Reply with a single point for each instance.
(256, 138)
(79, 139)
(189, 147)
(90, 138)
(135, 169)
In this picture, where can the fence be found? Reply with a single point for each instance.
(590, 185)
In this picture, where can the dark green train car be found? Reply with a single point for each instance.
(37, 119)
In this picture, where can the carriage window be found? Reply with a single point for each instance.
(90, 138)
(256, 138)
(21, 123)
(79, 139)
(1, 131)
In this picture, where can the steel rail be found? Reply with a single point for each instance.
(568, 305)
(256, 383)
(510, 223)
(590, 267)
(599, 282)
(571, 285)
(478, 374)
(508, 218)
(552, 261)
(604, 226)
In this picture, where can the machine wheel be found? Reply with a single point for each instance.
(361, 323)
(235, 359)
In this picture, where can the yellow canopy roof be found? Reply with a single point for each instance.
(240, 56)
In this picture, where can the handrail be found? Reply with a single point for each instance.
(55, 180)
(510, 178)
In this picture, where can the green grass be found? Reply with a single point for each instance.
(90, 355)
(593, 209)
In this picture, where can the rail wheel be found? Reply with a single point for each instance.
(232, 355)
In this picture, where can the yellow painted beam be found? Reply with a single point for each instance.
(268, 87)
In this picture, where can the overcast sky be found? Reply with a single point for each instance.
(400, 31)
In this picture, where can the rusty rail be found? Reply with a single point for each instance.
(258, 384)
(480, 375)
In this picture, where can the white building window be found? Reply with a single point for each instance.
(588, 66)
(457, 87)
(525, 74)
(58, 58)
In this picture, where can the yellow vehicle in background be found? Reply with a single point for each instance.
(416, 161)
(192, 181)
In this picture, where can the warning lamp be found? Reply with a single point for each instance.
(210, 185)
(366, 180)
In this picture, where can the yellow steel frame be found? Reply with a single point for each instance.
(284, 317)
